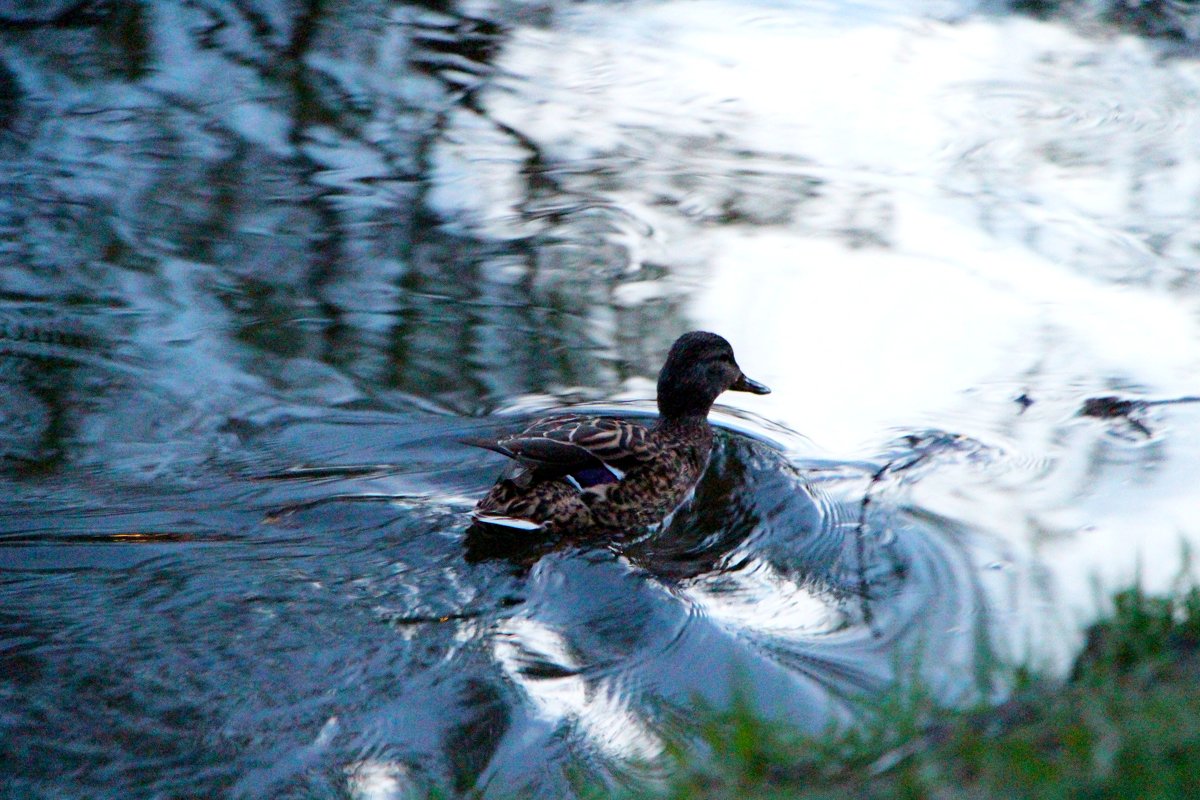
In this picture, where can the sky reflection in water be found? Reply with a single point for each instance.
(261, 271)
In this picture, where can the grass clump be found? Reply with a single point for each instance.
(1126, 724)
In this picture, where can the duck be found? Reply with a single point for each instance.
(576, 473)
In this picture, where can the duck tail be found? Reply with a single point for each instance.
(487, 444)
(502, 521)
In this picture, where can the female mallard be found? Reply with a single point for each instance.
(576, 473)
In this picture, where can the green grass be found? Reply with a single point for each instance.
(1126, 724)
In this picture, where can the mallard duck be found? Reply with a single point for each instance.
(575, 473)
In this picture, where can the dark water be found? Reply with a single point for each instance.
(263, 264)
(295, 630)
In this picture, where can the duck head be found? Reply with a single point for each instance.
(699, 367)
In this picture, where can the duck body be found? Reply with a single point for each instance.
(576, 473)
(632, 485)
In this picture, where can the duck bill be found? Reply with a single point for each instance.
(744, 384)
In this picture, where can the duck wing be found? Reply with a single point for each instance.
(575, 443)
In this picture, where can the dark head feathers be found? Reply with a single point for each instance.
(699, 367)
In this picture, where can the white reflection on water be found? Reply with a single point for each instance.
(758, 598)
(378, 780)
(900, 221)
(538, 659)
(904, 336)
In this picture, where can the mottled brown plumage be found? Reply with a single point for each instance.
(576, 473)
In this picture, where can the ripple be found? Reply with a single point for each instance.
(1056, 152)
(538, 660)
(593, 652)
(1081, 110)
(759, 580)
(40, 331)
(758, 597)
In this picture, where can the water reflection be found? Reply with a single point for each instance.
(263, 266)
(304, 636)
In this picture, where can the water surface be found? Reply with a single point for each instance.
(262, 268)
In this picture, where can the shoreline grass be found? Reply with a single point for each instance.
(1124, 724)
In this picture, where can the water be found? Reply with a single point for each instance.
(261, 268)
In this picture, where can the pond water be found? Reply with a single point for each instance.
(263, 267)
